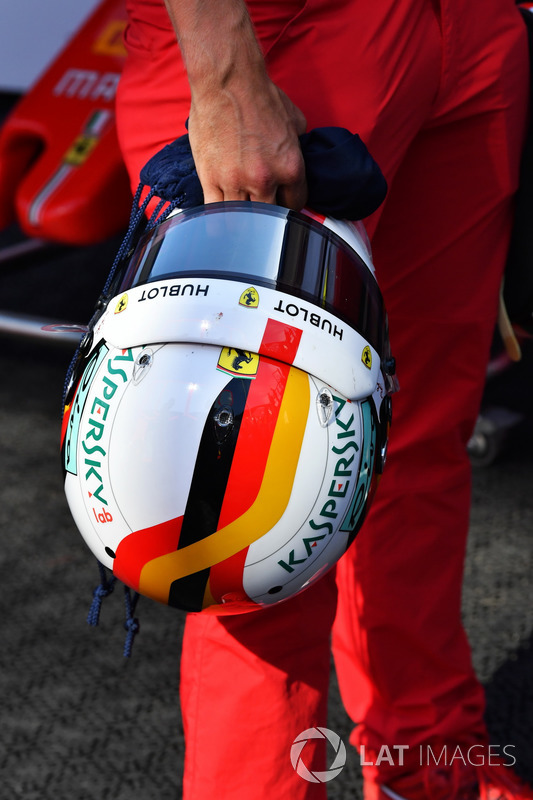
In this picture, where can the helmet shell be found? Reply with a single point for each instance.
(222, 437)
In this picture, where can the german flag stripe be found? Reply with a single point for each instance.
(140, 547)
(280, 341)
(268, 507)
(212, 468)
(248, 467)
(202, 510)
(207, 491)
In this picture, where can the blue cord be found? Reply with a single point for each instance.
(137, 216)
(132, 625)
(104, 589)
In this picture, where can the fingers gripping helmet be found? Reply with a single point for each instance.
(228, 413)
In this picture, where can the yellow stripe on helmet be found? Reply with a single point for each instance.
(268, 508)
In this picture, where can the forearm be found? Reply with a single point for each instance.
(243, 129)
(217, 42)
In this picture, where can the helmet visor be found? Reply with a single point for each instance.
(264, 245)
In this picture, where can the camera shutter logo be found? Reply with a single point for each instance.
(297, 758)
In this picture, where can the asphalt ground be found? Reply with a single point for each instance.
(78, 721)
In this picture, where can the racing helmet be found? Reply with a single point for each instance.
(228, 411)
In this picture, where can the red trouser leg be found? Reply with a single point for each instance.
(402, 656)
(249, 685)
(445, 124)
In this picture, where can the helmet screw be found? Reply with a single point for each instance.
(224, 417)
(142, 364)
(324, 406)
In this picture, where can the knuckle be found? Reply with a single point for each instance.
(293, 167)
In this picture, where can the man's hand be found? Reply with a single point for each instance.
(249, 149)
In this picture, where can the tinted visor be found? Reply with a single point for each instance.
(267, 246)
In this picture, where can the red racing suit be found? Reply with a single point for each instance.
(437, 90)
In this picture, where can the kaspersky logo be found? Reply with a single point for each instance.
(89, 422)
(348, 482)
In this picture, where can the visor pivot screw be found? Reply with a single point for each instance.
(324, 406)
(142, 364)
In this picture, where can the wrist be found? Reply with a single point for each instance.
(218, 44)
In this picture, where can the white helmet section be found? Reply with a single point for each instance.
(132, 438)
(234, 314)
(278, 566)
(260, 279)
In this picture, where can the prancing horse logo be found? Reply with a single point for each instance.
(249, 298)
(238, 362)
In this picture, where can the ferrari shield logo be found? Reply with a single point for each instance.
(240, 363)
(366, 357)
(122, 304)
(80, 150)
(249, 298)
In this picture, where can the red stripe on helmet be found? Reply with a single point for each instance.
(280, 341)
(140, 547)
(251, 455)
